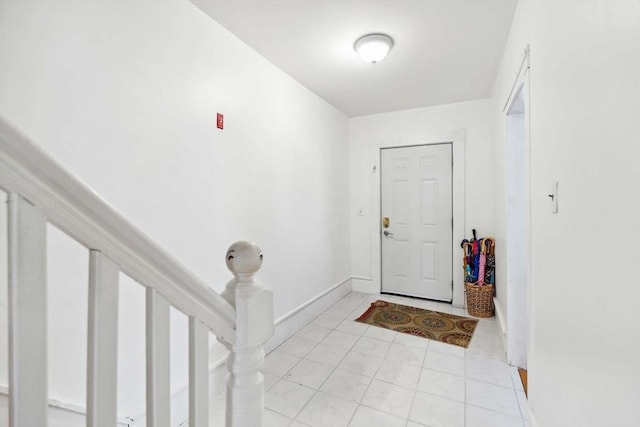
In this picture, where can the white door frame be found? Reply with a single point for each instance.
(519, 300)
(457, 140)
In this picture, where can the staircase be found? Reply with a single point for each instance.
(40, 191)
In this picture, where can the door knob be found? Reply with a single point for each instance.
(387, 234)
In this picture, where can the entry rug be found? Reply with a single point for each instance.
(444, 327)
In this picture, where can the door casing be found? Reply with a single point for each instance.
(519, 265)
(457, 139)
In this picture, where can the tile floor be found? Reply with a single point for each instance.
(336, 372)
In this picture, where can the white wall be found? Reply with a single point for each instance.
(412, 127)
(125, 94)
(585, 133)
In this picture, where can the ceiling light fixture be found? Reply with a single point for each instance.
(373, 47)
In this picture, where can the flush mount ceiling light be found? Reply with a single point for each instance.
(373, 47)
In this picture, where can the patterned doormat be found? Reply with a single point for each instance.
(444, 327)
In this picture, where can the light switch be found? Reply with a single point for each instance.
(553, 198)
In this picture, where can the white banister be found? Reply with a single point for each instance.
(27, 314)
(198, 374)
(102, 341)
(40, 192)
(158, 366)
(78, 211)
(254, 325)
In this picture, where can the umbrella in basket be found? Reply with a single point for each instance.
(467, 260)
(464, 245)
(471, 261)
(490, 268)
(464, 252)
(483, 261)
(468, 251)
(476, 258)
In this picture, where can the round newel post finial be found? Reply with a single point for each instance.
(253, 306)
(244, 258)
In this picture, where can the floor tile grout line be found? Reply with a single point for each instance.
(283, 376)
(413, 401)
(318, 390)
(465, 387)
(442, 397)
(518, 401)
(494, 411)
(385, 412)
(483, 353)
(371, 379)
(490, 383)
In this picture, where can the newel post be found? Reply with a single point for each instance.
(254, 325)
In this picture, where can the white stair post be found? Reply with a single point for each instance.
(27, 314)
(254, 325)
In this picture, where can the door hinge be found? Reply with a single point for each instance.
(452, 285)
(451, 222)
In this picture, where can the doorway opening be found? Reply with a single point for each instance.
(518, 242)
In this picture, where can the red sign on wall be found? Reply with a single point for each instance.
(220, 121)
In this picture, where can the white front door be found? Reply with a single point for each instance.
(417, 243)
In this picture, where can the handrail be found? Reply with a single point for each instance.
(78, 211)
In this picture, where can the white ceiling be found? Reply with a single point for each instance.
(445, 50)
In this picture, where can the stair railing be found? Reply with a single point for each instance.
(40, 191)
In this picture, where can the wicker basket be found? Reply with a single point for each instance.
(479, 299)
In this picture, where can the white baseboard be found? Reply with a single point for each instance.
(60, 414)
(364, 284)
(180, 396)
(501, 323)
(285, 327)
